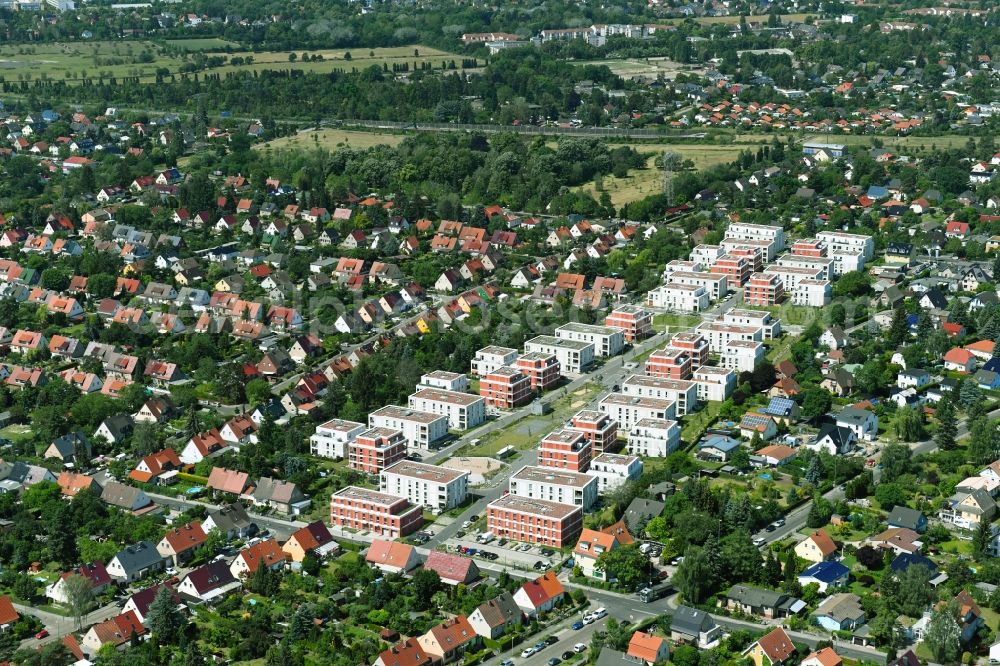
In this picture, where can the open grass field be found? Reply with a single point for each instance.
(332, 139)
(78, 60)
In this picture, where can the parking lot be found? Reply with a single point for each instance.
(511, 553)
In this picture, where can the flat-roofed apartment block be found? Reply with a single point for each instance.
(613, 470)
(565, 449)
(541, 368)
(790, 275)
(628, 410)
(633, 321)
(554, 485)
(463, 410)
(714, 383)
(801, 261)
(375, 449)
(736, 269)
(768, 249)
(706, 255)
(683, 266)
(505, 388)
(599, 429)
(534, 521)
(655, 438)
(669, 363)
(679, 297)
(754, 257)
(420, 429)
(762, 318)
(442, 379)
(715, 284)
(764, 289)
(332, 438)
(694, 344)
(845, 261)
(742, 355)
(682, 392)
(814, 293)
(430, 486)
(719, 334)
(837, 241)
(809, 247)
(607, 340)
(491, 358)
(372, 511)
(747, 231)
(573, 356)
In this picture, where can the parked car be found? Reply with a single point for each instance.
(551, 640)
(576, 626)
(527, 652)
(507, 662)
(42, 634)
(579, 647)
(554, 661)
(567, 654)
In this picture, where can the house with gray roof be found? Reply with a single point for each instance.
(493, 618)
(911, 519)
(694, 626)
(640, 511)
(840, 612)
(282, 496)
(135, 562)
(762, 603)
(125, 497)
(231, 520)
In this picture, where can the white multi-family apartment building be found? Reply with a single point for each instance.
(716, 284)
(463, 410)
(804, 261)
(682, 266)
(430, 486)
(607, 340)
(612, 470)
(679, 297)
(442, 379)
(573, 355)
(742, 355)
(762, 318)
(768, 248)
(714, 383)
(814, 293)
(555, 485)
(845, 261)
(655, 438)
(719, 334)
(420, 429)
(790, 275)
(766, 232)
(839, 241)
(492, 358)
(629, 409)
(332, 438)
(706, 255)
(682, 392)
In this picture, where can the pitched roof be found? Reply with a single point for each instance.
(825, 657)
(823, 542)
(389, 553)
(776, 645)
(228, 481)
(8, 614)
(185, 538)
(543, 589)
(645, 646)
(826, 572)
(500, 611)
(312, 536)
(451, 568)
(268, 553)
(407, 653)
(210, 577)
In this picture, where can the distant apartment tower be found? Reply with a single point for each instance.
(635, 322)
(505, 388)
(420, 429)
(565, 449)
(541, 368)
(332, 438)
(430, 486)
(371, 511)
(814, 293)
(600, 430)
(375, 449)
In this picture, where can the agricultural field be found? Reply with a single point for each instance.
(78, 60)
(331, 139)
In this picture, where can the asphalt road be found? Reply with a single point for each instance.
(280, 528)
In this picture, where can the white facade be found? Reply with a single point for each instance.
(552, 485)
(655, 438)
(613, 470)
(463, 410)
(845, 261)
(420, 429)
(719, 335)
(715, 284)
(768, 248)
(489, 359)
(742, 355)
(790, 275)
(573, 355)
(332, 438)
(766, 232)
(629, 409)
(824, 264)
(430, 486)
(442, 379)
(607, 340)
(837, 241)
(813, 293)
(682, 392)
(762, 318)
(679, 297)
(714, 383)
(707, 255)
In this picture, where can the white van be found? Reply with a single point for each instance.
(485, 537)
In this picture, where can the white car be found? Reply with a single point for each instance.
(588, 618)
(759, 541)
(579, 647)
(527, 652)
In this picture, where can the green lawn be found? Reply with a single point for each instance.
(16, 432)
